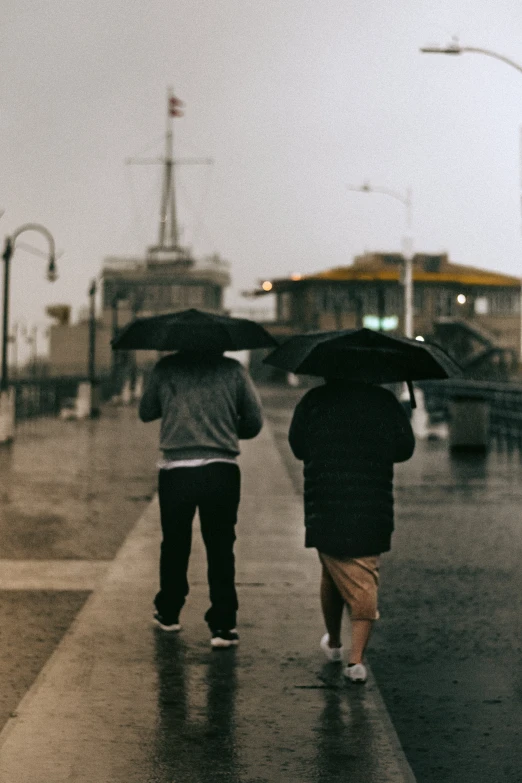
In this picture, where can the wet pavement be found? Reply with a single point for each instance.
(69, 494)
(74, 489)
(447, 652)
(448, 657)
(118, 700)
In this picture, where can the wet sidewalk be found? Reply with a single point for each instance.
(121, 702)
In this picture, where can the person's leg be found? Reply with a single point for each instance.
(356, 580)
(362, 581)
(218, 506)
(361, 630)
(332, 604)
(177, 509)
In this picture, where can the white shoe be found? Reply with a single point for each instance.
(225, 638)
(356, 672)
(166, 624)
(334, 654)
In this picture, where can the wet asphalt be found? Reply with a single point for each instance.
(447, 652)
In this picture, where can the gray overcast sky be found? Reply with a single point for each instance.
(294, 99)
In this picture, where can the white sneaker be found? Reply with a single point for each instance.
(171, 624)
(356, 672)
(225, 638)
(334, 654)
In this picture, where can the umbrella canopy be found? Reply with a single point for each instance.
(192, 330)
(363, 355)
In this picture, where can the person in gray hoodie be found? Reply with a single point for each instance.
(206, 403)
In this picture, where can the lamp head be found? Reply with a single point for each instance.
(452, 48)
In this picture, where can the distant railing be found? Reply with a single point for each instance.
(504, 400)
(47, 396)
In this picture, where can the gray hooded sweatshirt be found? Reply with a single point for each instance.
(206, 403)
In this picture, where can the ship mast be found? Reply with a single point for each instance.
(168, 237)
(168, 230)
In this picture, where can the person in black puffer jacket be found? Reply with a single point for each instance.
(349, 435)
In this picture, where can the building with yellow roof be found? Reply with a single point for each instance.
(475, 313)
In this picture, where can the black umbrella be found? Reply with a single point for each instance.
(192, 330)
(363, 355)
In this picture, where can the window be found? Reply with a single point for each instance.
(152, 295)
(194, 295)
(284, 306)
(394, 300)
(164, 296)
(481, 305)
(504, 302)
(418, 300)
(175, 295)
(370, 300)
(386, 324)
(445, 303)
(333, 299)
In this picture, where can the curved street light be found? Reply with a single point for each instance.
(405, 199)
(455, 48)
(7, 255)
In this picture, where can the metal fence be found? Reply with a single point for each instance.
(47, 396)
(504, 401)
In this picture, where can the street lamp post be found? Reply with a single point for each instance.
(407, 280)
(30, 337)
(115, 328)
(455, 48)
(6, 401)
(13, 340)
(94, 408)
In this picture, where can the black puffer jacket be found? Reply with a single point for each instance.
(348, 436)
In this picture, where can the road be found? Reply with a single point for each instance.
(447, 652)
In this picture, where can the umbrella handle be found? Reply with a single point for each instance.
(412, 395)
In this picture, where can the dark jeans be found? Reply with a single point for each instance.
(214, 489)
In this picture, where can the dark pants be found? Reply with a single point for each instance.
(214, 489)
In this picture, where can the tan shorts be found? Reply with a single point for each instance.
(356, 580)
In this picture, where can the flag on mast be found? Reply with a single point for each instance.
(175, 107)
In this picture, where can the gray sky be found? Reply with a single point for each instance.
(294, 99)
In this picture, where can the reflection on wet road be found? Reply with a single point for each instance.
(196, 712)
(212, 727)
